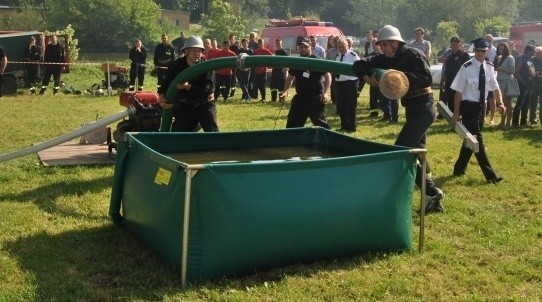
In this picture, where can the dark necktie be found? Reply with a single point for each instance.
(482, 84)
(338, 75)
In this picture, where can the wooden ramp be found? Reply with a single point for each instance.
(72, 153)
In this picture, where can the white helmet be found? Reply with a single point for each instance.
(387, 33)
(193, 42)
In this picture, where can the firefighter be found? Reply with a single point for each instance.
(53, 59)
(163, 55)
(194, 103)
(138, 56)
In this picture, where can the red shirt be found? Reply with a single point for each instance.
(261, 51)
(222, 54)
(211, 53)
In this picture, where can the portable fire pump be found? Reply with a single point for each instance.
(146, 119)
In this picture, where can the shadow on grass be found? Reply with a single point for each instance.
(45, 196)
(108, 263)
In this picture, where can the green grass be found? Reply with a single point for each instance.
(58, 243)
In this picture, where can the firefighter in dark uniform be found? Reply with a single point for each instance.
(54, 55)
(472, 84)
(138, 56)
(194, 103)
(418, 102)
(278, 74)
(32, 54)
(312, 92)
(163, 55)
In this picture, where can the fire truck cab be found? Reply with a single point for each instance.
(524, 33)
(293, 30)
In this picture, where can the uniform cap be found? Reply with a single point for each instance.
(305, 42)
(480, 43)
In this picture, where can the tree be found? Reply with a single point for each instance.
(445, 31)
(220, 21)
(497, 26)
(105, 26)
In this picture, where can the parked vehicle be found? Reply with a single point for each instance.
(14, 42)
(523, 33)
(293, 30)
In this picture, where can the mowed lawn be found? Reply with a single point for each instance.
(57, 242)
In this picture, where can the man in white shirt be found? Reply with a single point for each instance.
(316, 48)
(472, 83)
(347, 93)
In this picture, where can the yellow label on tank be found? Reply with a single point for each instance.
(162, 177)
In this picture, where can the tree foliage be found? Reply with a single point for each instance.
(221, 21)
(103, 25)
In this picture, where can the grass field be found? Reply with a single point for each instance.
(57, 242)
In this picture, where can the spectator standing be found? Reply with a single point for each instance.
(418, 102)
(53, 59)
(138, 56)
(3, 65)
(224, 75)
(420, 43)
(243, 75)
(194, 103)
(32, 55)
(163, 55)
(178, 44)
(452, 63)
(472, 84)
(312, 88)
(536, 93)
(252, 41)
(347, 88)
(317, 50)
(331, 54)
(278, 75)
(505, 66)
(234, 46)
(368, 46)
(525, 76)
(260, 73)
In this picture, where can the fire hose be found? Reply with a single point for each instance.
(393, 83)
(69, 136)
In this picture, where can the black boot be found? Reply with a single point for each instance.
(42, 91)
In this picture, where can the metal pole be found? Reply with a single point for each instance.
(422, 156)
(186, 222)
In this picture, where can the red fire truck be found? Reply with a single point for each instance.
(524, 33)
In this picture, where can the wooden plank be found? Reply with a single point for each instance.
(469, 140)
(70, 153)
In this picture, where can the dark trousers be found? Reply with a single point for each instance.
(374, 94)
(161, 72)
(260, 81)
(536, 94)
(243, 78)
(390, 108)
(522, 106)
(447, 97)
(51, 71)
(188, 117)
(472, 117)
(347, 101)
(277, 83)
(32, 75)
(420, 114)
(137, 71)
(222, 86)
(304, 107)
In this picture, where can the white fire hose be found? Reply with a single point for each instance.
(88, 128)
